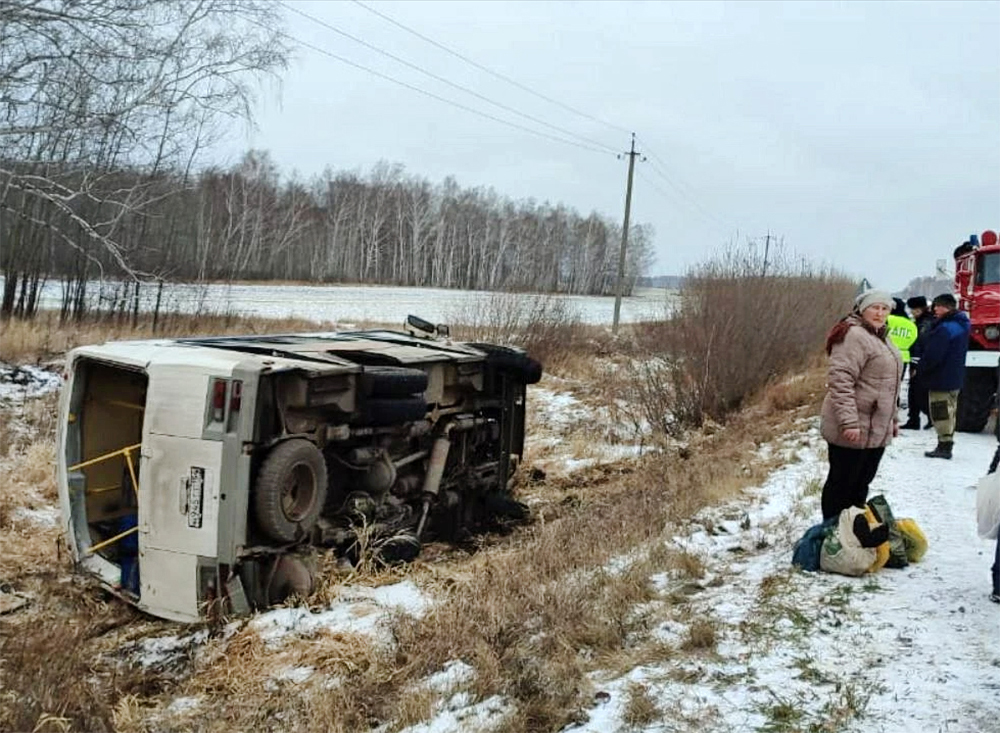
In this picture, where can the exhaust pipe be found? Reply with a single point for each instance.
(435, 470)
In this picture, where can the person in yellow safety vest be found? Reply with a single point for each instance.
(902, 331)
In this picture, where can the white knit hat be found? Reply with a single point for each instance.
(872, 297)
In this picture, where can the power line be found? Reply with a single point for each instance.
(655, 166)
(652, 184)
(674, 199)
(657, 159)
(432, 95)
(490, 71)
(443, 80)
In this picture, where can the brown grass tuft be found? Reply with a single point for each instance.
(51, 678)
(640, 706)
(689, 565)
(702, 635)
(29, 516)
(544, 325)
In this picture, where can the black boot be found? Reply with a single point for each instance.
(943, 450)
(911, 424)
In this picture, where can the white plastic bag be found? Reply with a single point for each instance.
(842, 551)
(988, 505)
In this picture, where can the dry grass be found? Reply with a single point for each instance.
(546, 326)
(702, 635)
(48, 680)
(29, 526)
(415, 706)
(640, 706)
(45, 336)
(689, 565)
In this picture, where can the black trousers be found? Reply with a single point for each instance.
(916, 398)
(995, 570)
(851, 471)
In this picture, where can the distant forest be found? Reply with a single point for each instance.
(244, 223)
(928, 286)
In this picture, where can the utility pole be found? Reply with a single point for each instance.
(621, 255)
(767, 246)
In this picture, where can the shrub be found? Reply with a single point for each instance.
(545, 326)
(737, 328)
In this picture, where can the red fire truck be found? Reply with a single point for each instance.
(977, 288)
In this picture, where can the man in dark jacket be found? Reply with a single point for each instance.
(942, 369)
(916, 394)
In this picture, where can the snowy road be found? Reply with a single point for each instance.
(938, 633)
(900, 651)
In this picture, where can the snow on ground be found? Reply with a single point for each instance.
(358, 609)
(917, 649)
(565, 435)
(20, 386)
(18, 383)
(344, 304)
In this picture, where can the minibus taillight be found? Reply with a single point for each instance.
(236, 396)
(218, 399)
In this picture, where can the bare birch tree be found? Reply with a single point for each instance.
(89, 87)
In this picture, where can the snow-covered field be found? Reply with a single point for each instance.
(344, 304)
(912, 650)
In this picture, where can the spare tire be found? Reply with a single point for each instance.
(392, 381)
(290, 490)
(512, 361)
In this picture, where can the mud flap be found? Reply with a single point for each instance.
(237, 596)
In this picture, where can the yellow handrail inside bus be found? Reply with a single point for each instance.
(106, 456)
(123, 403)
(102, 489)
(131, 470)
(126, 451)
(111, 540)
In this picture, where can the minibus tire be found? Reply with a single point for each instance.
(393, 381)
(290, 490)
(511, 361)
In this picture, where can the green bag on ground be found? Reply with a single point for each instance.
(897, 546)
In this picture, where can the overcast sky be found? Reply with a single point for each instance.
(865, 134)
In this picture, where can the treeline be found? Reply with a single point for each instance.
(245, 223)
(929, 287)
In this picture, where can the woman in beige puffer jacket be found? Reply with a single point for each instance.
(859, 416)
